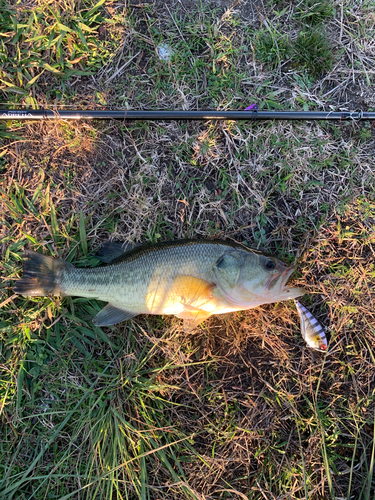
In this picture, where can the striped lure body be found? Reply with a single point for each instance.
(311, 330)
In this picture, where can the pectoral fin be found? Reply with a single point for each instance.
(110, 315)
(183, 291)
(192, 291)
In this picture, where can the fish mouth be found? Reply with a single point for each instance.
(280, 278)
(288, 272)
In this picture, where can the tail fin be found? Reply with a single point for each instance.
(40, 275)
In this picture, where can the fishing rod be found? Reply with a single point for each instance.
(250, 113)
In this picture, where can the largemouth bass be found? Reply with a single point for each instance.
(191, 279)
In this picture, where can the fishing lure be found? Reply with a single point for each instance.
(311, 330)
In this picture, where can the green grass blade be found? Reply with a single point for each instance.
(20, 380)
(88, 14)
(82, 233)
(25, 477)
(370, 483)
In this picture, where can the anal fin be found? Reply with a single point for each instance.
(110, 315)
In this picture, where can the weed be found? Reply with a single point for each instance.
(312, 52)
(314, 12)
(60, 42)
(272, 48)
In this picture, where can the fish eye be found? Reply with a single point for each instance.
(270, 264)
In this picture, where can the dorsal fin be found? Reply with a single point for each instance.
(112, 251)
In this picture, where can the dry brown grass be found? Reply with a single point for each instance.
(269, 387)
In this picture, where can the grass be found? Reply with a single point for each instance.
(314, 12)
(121, 433)
(312, 52)
(240, 408)
(62, 40)
(272, 48)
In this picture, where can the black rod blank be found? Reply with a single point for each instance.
(48, 114)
